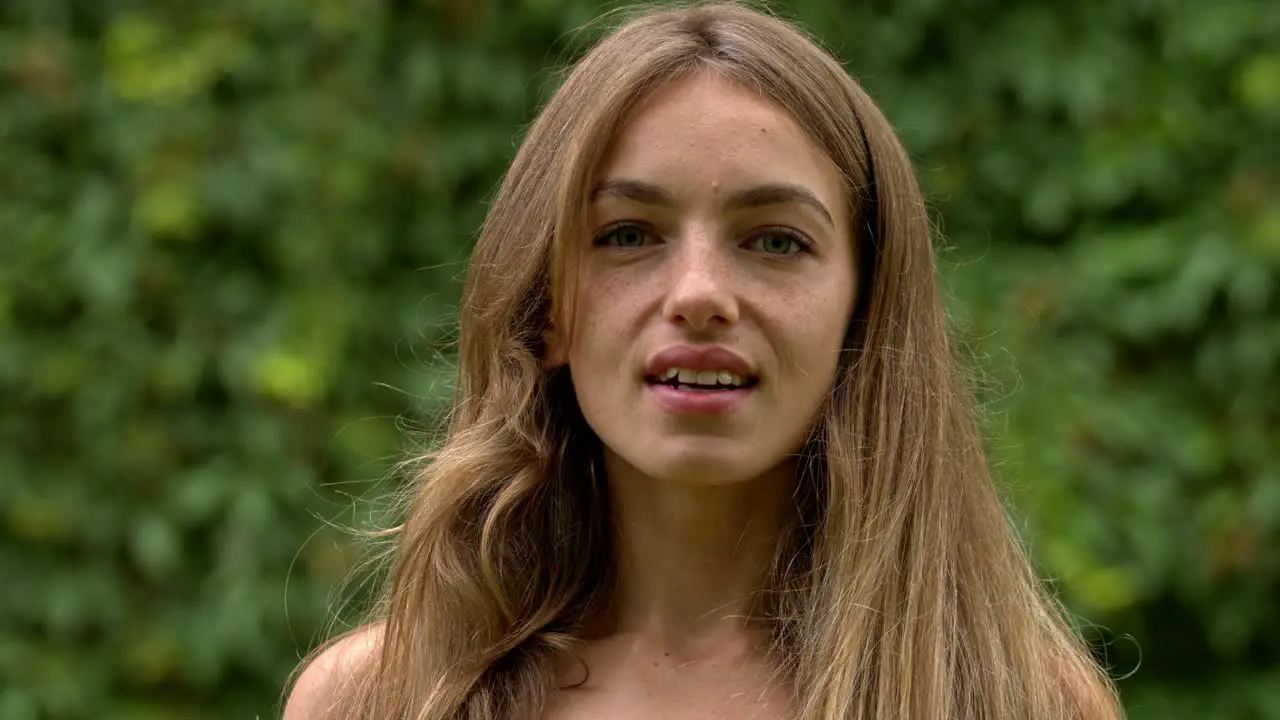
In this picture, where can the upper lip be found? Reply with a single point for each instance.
(702, 359)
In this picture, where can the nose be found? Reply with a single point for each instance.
(702, 292)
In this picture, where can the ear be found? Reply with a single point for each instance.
(555, 352)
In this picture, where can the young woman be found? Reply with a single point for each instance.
(709, 454)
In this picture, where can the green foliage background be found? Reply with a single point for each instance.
(230, 237)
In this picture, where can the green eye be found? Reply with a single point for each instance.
(780, 243)
(626, 236)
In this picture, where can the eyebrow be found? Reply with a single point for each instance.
(753, 197)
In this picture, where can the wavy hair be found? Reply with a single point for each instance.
(900, 591)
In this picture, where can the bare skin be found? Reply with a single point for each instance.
(737, 239)
(678, 642)
(699, 498)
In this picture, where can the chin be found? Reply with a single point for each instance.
(707, 474)
(697, 466)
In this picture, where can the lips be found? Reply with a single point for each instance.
(699, 358)
(680, 399)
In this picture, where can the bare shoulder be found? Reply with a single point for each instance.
(313, 692)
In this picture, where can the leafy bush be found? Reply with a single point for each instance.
(230, 236)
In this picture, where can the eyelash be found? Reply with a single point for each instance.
(803, 245)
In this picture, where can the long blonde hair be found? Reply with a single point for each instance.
(900, 591)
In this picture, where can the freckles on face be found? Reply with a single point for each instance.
(720, 237)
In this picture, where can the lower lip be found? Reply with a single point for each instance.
(698, 402)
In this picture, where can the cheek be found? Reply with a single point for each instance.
(607, 313)
(817, 343)
(598, 351)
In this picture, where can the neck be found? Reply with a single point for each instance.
(692, 558)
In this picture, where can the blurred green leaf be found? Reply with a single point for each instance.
(230, 242)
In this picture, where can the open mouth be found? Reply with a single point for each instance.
(702, 381)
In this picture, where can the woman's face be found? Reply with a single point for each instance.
(715, 288)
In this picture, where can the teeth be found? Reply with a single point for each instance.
(709, 378)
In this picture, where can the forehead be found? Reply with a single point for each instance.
(704, 130)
